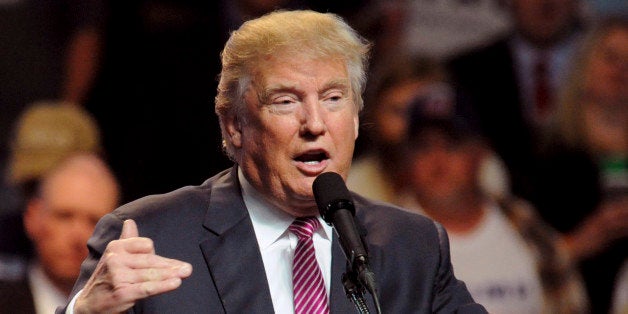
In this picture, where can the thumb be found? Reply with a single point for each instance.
(129, 229)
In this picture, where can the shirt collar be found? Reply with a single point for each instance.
(46, 296)
(269, 222)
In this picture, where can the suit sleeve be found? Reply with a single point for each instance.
(451, 294)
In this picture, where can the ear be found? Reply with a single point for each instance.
(234, 131)
(33, 218)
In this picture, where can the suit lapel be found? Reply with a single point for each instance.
(231, 251)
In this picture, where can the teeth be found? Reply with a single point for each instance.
(313, 162)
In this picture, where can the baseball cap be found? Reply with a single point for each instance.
(46, 133)
(434, 108)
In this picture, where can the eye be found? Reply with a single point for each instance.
(283, 104)
(283, 100)
(334, 98)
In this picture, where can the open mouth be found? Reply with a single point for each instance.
(312, 158)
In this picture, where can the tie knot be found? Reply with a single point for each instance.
(304, 227)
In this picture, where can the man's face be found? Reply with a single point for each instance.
(300, 121)
(442, 170)
(61, 221)
(544, 21)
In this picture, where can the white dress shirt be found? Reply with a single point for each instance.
(46, 296)
(559, 58)
(277, 245)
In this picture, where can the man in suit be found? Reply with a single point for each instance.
(288, 102)
(60, 216)
(511, 84)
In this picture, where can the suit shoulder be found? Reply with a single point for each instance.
(183, 201)
(377, 215)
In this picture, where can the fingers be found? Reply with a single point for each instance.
(126, 294)
(129, 270)
(129, 229)
(131, 242)
(101, 297)
(148, 261)
(150, 274)
(126, 282)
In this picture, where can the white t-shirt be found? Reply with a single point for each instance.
(497, 266)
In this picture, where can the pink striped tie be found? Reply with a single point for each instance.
(307, 278)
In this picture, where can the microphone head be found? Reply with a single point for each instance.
(331, 194)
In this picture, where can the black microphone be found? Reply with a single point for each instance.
(336, 207)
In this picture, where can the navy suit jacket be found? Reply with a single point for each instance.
(209, 227)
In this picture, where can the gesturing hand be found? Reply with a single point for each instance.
(129, 270)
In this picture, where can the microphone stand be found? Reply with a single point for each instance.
(355, 292)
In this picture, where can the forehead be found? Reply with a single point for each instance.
(80, 192)
(284, 70)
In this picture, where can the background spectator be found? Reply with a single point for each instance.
(60, 216)
(510, 84)
(44, 135)
(509, 258)
(376, 172)
(582, 178)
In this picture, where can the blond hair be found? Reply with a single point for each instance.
(305, 33)
(568, 125)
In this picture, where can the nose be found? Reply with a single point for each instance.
(312, 119)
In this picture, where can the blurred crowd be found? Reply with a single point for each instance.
(504, 120)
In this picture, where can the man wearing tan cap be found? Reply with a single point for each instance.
(47, 132)
(65, 188)
(59, 218)
(43, 135)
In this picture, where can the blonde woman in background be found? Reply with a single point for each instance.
(582, 179)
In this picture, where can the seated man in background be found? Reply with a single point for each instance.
(45, 133)
(511, 261)
(60, 216)
(65, 187)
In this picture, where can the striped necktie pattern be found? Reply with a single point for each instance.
(309, 287)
